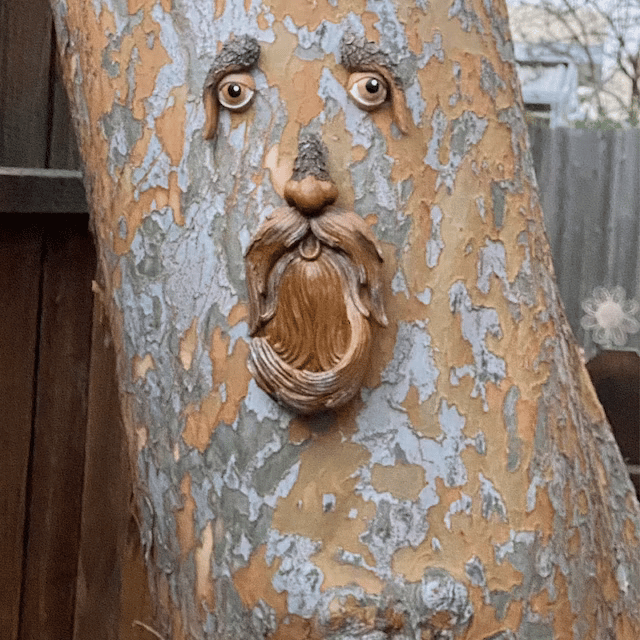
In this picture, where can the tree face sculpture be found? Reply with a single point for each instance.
(313, 271)
(470, 487)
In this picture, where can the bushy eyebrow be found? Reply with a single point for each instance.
(359, 54)
(237, 54)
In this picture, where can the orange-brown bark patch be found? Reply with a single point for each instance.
(563, 616)
(542, 517)
(201, 423)
(184, 518)
(607, 579)
(371, 33)
(299, 430)
(631, 532)
(239, 313)
(141, 366)
(138, 153)
(170, 126)
(294, 627)
(135, 5)
(421, 414)
(188, 344)
(358, 153)
(583, 503)
(262, 22)
(575, 542)
(231, 369)
(280, 167)
(306, 82)
(484, 623)
(339, 148)
(513, 617)
(404, 150)
(141, 436)
(204, 583)
(626, 628)
(149, 63)
(402, 481)
(418, 30)
(177, 627)
(541, 602)
(326, 467)
(253, 583)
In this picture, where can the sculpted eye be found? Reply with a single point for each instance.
(367, 89)
(236, 91)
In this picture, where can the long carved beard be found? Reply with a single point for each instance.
(313, 286)
(310, 329)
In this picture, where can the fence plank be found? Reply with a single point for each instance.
(24, 82)
(59, 428)
(63, 148)
(590, 195)
(20, 266)
(104, 555)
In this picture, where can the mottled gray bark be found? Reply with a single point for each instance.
(473, 489)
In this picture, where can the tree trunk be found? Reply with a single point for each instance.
(471, 488)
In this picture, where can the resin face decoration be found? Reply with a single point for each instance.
(313, 270)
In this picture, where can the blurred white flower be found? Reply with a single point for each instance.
(610, 316)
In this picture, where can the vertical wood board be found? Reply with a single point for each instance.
(20, 266)
(25, 60)
(59, 433)
(105, 555)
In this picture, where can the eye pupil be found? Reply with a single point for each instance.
(234, 90)
(372, 85)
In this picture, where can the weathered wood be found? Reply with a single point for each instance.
(20, 266)
(107, 550)
(63, 149)
(41, 191)
(590, 196)
(59, 433)
(24, 82)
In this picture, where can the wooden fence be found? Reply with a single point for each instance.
(590, 192)
(70, 561)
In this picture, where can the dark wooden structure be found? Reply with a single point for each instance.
(70, 560)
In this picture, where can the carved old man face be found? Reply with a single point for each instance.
(313, 270)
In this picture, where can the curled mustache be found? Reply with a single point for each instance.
(314, 285)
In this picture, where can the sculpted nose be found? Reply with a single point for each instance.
(310, 188)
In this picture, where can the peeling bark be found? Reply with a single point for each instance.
(473, 488)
